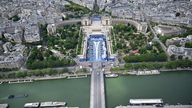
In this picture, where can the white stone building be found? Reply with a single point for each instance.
(180, 51)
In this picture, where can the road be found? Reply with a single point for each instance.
(97, 87)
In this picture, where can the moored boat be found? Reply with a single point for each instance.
(145, 101)
(111, 75)
(32, 105)
(4, 105)
(52, 104)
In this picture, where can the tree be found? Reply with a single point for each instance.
(11, 75)
(188, 45)
(21, 74)
(172, 57)
(15, 18)
(180, 57)
(145, 58)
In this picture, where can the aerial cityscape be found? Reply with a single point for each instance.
(95, 53)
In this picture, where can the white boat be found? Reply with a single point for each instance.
(4, 105)
(111, 75)
(52, 104)
(145, 101)
(32, 105)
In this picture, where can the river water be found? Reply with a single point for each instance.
(172, 87)
(74, 91)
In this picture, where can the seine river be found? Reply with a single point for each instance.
(172, 87)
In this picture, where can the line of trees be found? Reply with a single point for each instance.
(50, 64)
(79, 48)
(149, 57)
(159, 65)
(34, 73)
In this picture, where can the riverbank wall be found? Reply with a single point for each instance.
(47, 77)
(134, 72)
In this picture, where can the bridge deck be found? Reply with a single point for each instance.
(97, 88)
